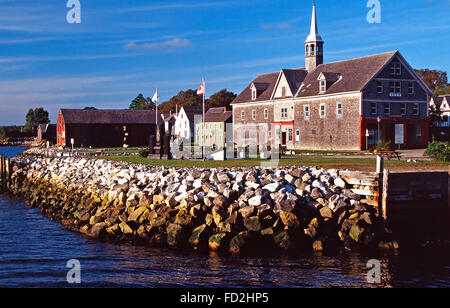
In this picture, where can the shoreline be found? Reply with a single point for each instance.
(226, 210)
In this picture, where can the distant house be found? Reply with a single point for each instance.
(47, 132)
(169, 123)
(185, 121)
(442, 103)
(332, 106)
(217, 120)
(106, 128)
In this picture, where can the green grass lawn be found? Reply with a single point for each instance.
(362, 164)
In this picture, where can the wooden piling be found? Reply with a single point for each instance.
(385, 195)
(2, 172)
(8, 173)
(5, 173)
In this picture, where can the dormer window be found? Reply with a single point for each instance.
(323, 86)
(254, 94)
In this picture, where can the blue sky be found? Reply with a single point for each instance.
(122, 48)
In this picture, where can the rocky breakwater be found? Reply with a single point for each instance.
(235, 210)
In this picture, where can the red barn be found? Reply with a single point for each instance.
(106, 128)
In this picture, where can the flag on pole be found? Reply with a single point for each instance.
(155, 98)
(201, 90)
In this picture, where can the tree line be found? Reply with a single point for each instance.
(187, 98)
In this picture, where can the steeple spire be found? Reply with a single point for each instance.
(314, 45)
(314, 33)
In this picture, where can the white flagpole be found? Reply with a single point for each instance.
(158, 137)
(203, 141)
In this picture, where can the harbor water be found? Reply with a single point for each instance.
(34, 252)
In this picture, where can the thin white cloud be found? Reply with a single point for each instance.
(168, 45)
(278, 26)
(175, 6)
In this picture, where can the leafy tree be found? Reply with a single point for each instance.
(189, 97)
(40, 116)
(433, 78)
(442, 91)
(29, 121)
(223, 98)
(35, 117)
(142, 103)
(183, 98)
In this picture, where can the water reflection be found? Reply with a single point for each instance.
(34, 252)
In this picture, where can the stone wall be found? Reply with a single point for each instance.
(233, 210)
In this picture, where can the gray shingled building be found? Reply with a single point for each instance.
(345, 105)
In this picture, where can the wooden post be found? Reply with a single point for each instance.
(380, 164)
(384, 208)
(8, 173)
(379, 171)
(2, 172)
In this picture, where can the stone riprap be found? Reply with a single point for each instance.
(43, 152)
(235, 210)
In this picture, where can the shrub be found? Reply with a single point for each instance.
(439, 150)
(383, 146)
(144, 153)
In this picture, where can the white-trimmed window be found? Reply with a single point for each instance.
(323, 86)
(306, 112)
(254, 94)
(242, 115)
(323, 111)
(253, 115)
(387, 109)
(284, 113)
(379, 86)
(339, 110)
(403, 109)
(411, 87)
(395, 88)
(297, 135)
(396, 68)
(290, 135)
(415, 109)
(373, 109)
(283, 91)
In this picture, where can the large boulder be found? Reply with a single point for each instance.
(98, 231)
(219, 241)
(176, 236)
(240, 243)
(199, 237)
(252, 224)
(290, 220)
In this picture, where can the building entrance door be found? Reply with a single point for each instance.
(283, 138)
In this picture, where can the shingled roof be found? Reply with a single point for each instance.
(111, 116)
(295, 78)
(347, 76)
(263, 95)
(354, 74)
(221, 117)
(191, 111)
